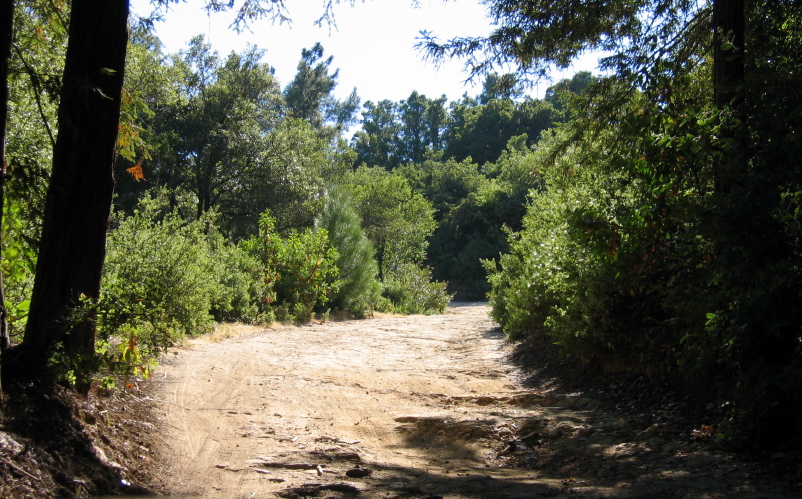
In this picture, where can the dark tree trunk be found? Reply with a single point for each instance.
(728, 79)
(79, 196)
(6, 30)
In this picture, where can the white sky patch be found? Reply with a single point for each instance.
(373, 43)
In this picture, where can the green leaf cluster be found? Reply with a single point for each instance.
(400, 133)
(300, 271)
(411, 290)
(359, 288)
(18, 267)
(396, 218)
(166, 278)
(665, 240)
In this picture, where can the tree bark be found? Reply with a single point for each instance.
(79, 196)
(6, 30)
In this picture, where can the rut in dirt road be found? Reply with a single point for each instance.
(419, 407)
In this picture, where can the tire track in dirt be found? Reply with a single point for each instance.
(419, 407)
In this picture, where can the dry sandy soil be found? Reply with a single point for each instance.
(418, 407)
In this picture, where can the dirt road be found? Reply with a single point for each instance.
(419, 407)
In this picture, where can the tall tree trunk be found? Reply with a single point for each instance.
(80, 193)
(728, 78)
(6, 30)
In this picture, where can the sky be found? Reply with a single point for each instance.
(373, 43)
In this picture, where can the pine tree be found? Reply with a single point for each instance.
(359, 286)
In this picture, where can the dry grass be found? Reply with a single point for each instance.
(227, 330)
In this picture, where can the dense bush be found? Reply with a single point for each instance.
(240, 273)
(397, 219)
(537, 284)
(18, 265)
(635, 259)
(474, 205)
(165, 278)
(157, 278)
(606, 255)
(359, 288)
(410, 290)
(300, 274)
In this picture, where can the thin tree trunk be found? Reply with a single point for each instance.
(80, 193)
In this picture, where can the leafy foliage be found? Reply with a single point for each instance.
(39, 41)
(396, 219)
(220, 141)
(481, 131)
(458, 242)
(411, 290)
(536, 36)
(240, 273)
(308, 97)
(359, 288)
(423, 123)
(394, 134)
(300, 273)
(376, 144)
(661, 244)
(164, 277)
(18, 266)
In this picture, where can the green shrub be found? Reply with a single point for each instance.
(396, 219)
(300, 274)
(160, 278)
(587, 270)
(359, 288)
(18, 266)
(410, 289)
(240, 273)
